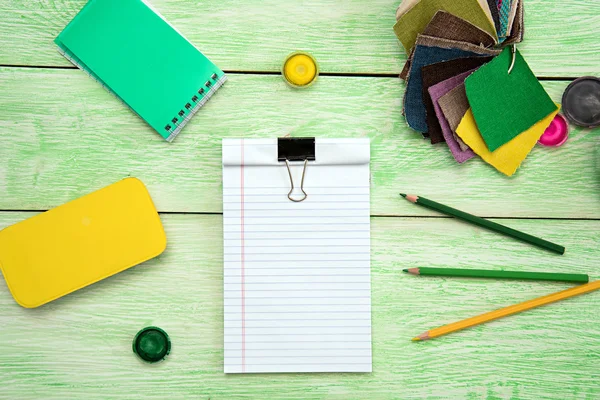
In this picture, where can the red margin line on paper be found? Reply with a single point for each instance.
(242, 255)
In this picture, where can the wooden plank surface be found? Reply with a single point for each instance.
(80, 346)
(561, 38)
(66, 136)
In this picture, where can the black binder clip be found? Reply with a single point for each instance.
(296, 149)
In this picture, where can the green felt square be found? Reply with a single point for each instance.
(506, 105)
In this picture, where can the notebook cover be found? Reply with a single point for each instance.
(81, 242)
(132, 51)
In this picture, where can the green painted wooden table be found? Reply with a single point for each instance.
(64, 136)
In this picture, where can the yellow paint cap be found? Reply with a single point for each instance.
(300, 70)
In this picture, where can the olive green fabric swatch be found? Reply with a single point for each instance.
(406, 5)
(506, 105)
(448, 26)
(411, 24)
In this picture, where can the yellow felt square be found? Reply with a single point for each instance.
(508, 157)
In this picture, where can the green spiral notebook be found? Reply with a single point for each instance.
(133, 52)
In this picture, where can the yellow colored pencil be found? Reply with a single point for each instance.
(510, 310)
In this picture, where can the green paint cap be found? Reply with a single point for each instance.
(152, 344)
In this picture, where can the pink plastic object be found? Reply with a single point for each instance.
(557, 133)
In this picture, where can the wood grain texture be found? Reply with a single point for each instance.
(345, 36)
(80, 346)
(66, 136)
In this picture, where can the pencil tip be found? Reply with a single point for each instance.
(405, 270)
(422, 336)
(403, 195)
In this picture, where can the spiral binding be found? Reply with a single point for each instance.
(76, 62)
(195, 103)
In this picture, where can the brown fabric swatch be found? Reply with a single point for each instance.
(406, 70)
(518, 30)
(444, 25)
(446, 44)
(448, 26)
(436, 73)
(455, 105)
(455, 44)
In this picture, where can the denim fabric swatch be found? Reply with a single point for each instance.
(426, 54)
(447, 26)
(436, 73)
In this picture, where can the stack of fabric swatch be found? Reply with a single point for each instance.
(458, 87)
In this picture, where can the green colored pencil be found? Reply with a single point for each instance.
(484, 223)
(484, 273)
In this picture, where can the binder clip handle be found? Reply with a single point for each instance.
(287, 163)
(513, 54)
(296, 149)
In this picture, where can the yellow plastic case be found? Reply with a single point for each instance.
(81, 242)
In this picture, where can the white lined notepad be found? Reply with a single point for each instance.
(297, 286)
